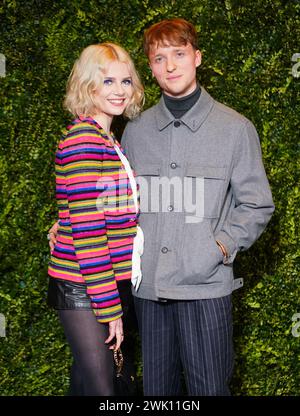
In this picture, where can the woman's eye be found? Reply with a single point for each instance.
(107, 82)
(158, 59)
(180, 54)
(127, 82)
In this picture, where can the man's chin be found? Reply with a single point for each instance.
(176, 93)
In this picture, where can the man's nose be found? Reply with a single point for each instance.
(170, 65)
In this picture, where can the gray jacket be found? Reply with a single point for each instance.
(201, 179)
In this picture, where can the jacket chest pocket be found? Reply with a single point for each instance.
(203, 190)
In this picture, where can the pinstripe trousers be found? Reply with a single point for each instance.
(194, 336)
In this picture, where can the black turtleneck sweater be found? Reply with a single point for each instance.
(179, 106)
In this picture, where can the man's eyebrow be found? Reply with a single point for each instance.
(177, 48)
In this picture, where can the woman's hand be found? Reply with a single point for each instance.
(52, 233)
(115, 331)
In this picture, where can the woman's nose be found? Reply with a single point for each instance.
(119, 89)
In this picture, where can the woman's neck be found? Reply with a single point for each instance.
(104, 121)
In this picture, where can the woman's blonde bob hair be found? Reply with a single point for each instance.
(88, 74)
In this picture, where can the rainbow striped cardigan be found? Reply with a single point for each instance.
(96, 215)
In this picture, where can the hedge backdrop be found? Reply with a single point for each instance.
(248, 55)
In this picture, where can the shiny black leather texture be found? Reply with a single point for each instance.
(64, 294)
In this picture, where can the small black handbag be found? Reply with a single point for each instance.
(124, 376)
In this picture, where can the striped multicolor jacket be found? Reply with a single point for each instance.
(96, 215)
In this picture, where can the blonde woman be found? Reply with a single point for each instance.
(91, 262)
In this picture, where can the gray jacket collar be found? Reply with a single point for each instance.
(192, 118)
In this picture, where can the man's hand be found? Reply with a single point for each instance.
(52, 233)
(115, 331)
(223, 249)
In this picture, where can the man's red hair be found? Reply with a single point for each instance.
(175, 31)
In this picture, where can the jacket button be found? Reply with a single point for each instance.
(177, 123)
(173, 165)
(170, 208)
(164, 250)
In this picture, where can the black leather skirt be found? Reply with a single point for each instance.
(64, 294)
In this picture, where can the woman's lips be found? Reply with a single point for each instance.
(117, 101)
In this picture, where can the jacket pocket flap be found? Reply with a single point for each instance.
(212, 172)
(147, 170)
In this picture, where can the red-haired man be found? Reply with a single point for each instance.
(218, 202)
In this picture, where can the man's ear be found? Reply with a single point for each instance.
(198, 58)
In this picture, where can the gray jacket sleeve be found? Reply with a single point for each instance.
(251, 193)
(124, 142)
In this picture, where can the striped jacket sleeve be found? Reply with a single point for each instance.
(80, 158)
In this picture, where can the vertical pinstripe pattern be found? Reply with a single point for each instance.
(161, 362)
(196, 334)
(205, 343)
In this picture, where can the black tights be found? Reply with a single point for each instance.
(92, 369)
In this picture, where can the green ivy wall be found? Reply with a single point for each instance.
(247, 62)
